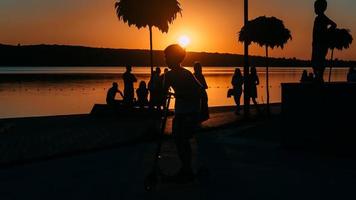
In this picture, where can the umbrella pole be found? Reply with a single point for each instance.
(151, 51)
(331, 64)
(246, 66)
(267, 82)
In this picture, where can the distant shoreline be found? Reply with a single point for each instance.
(64, 55)
(162, 66)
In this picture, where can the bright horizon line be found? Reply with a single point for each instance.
(89, 46)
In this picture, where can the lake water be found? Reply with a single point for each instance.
(43, 91)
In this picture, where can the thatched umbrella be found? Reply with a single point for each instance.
(338, 39)
(267, 32)
(151, 13)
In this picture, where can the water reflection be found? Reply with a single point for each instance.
(74, 90)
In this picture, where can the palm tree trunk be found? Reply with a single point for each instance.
(331, 64)
(267, 82)
(246, 66)
(151, 51)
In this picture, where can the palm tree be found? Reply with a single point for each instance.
(269, 32)
(338, 39)
(151, 13)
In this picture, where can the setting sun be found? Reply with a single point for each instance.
(184, 40)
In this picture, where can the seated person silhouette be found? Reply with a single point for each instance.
(304, 77)
(110, 96)
(142, 95)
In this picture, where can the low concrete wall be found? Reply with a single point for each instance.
(320, 116)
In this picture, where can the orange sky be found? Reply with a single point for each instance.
(212, 25)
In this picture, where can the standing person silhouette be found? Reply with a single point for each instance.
(322, 27)
(252, 82)
(155, 88)
(198, 73)
(187, 108)
(237, 82)
(163, 90)
(129, 80)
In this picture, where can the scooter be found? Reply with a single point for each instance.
(153, 177)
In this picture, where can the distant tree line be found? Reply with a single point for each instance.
(63, 55)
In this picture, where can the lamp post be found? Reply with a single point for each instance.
(246, 65)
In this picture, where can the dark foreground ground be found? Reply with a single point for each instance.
(243, 160)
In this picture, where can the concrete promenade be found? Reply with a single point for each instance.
(243, 160)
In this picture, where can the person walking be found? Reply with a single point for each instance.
(252, 82)
(237, 82)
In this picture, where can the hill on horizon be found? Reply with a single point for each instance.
(66, 55)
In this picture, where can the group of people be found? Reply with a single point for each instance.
(251, 82)
(310, 77)
(154, 88)
(191, 101)
(307, 77)
(128, 94)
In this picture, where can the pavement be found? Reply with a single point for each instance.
(241, 161)
(114, 174)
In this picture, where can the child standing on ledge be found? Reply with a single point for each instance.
(322, 27)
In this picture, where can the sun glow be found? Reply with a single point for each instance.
(184, 41)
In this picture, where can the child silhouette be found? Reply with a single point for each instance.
(322, 27)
